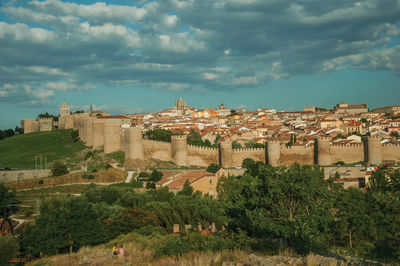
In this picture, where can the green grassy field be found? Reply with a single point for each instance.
(20, 151)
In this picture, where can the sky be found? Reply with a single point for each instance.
(140, 56)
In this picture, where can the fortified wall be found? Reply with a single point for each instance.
(112, 137)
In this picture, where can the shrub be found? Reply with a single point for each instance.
(150, 185)
(59, 169)
(90, 177)
(40, 182)
(75, 135)
(108, 166)
(84, 176)
(94, 170)
(143, 174)
(88, 155)
(213, 168)
(340, 163)
(8, 249)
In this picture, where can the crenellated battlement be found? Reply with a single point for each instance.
(348, 145)
(284, 147)
(182, 137)
(156, 141)
(248, 149)
(202, 147)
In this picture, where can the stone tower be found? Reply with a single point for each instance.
(46, 124)
(180, 104)
(122, 134)
(98, 134)
(225, 154)
(134, 148)
(111, 138)
(64, 109)
(179, 150)
(323, 150)
(274, 152)
(88, 131)
(374, 148)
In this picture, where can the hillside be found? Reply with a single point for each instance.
(20, 151)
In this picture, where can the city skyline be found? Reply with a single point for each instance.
(140, 57)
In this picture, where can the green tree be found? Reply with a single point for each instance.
(291, 203)
(395, 134)
(63, 225)
(8, 202)
(8, 249)
(156, 176)
(2, 135)
(159, 134)
(187, 189)
(59, 168)
(213, 168)
(252, 144)
(9, 133)
(236, 145)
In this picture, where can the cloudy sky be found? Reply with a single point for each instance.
(139, 56)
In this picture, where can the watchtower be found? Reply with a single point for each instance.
(274, 152)
(179, 149)
(374, 148)
(323, 150)
(225, 154)
(111, 138)
(98, 134)
(134, 148)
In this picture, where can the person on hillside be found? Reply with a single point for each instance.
(121, 251)
(115, 250)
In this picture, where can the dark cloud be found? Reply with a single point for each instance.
(179, 45)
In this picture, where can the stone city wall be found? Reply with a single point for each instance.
(350, 153)
(18, 175)
(201, 156)
(391, 152)
(238, 155)
(157, 150)
(296, 154)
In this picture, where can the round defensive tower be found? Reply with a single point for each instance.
(111, 137)
(89, 132)
(82, 134)
(98, 134)
(179, 149)
(69, 121)
(134, 148)
(374, 148)
(225, 154)
(122, 134)
(274, 152)
(323, 151)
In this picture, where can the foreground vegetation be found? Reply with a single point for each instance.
(266, 210)
(20, 151)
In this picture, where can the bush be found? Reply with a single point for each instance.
(90, 177)
(108, 166)
(213, 168)
(156, 176)
(143, 174)
(88, 155)
(340, 163)
(94, 170)
(40, 182)
(150, 185)
(59, 169)
(8, 249)
(75, 135)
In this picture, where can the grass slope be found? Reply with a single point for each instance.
(20, 151)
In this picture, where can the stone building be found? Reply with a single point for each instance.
(64, 109)
(180, 104)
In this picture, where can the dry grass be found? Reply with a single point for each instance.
(110, 175)
(134, 255)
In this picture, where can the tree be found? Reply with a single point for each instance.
(59, 169)
(252, 144)
(292, 203)
(159, 134)
(213, 168)
(395, 134)
(8, 249)
(63, 225)
(187, 189)
(8, 202)
(2, 135)
(156, 176)
(236, 145)
(364, 120)
(9, 133)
